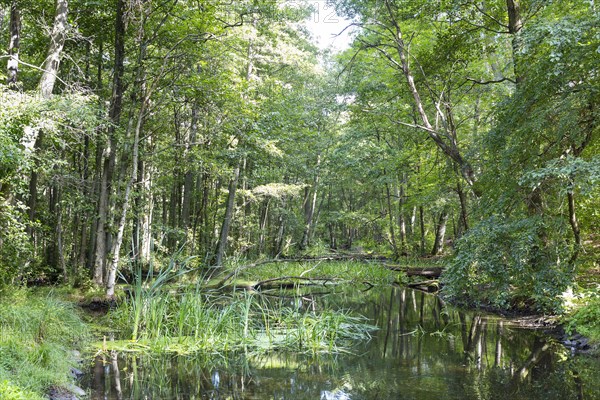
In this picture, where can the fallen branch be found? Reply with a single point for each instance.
(330, 257)
(257, 285)
(432, 285)
(430, 272)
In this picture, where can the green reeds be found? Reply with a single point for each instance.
(191, 321)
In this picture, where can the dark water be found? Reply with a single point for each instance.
(423, 350)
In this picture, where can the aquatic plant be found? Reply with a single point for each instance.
(192, 320)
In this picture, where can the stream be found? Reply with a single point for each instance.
(423, 349)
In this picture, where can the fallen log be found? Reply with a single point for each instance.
(429, 272)
(329, 257)
(285, 281)
(429, 286)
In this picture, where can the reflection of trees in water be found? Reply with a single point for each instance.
(423, 350)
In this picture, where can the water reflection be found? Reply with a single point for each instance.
(423, 350)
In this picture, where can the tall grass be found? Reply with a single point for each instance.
(37, 335)
(188, 321)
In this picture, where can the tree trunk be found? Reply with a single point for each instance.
(401, 218)
(422, 224)
(110, 156)
(449, 146)
(222, 245)
(278, 242)
(188, 184)
(464, 216)
(391, 220)
(440, 233)
(575, 227)
(310, 209)
(57, 42)
(515, 24)
(116, 246)
(146, 223)
(13, 46)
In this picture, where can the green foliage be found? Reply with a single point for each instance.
(585, 319)
(15, 247)
(161, 319)
(508, 264)
(9, 391)
(37, 335)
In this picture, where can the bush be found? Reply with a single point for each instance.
(509, 264)
(586, 319)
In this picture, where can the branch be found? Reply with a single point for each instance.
(417, 126)
(257, 285)
(36, 67)
(490, 17)
(490, 82)
(377, 47)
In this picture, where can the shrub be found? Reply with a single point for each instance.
(509, 264)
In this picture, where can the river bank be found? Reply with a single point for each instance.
(42, 327)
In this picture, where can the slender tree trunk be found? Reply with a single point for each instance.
(116, 246)
(515, 24)
(148, 211)
(310, 210)
(422, 224)
(222, 245)
(575, 227)
(188, 184)
(391, 220)
(59, 243)
(95, 191)
(440, 233)
(13, 46)
(402, 218)
(464, 216)
(57, 42)
(279, 237)
(264, 217)
(110, 156)
(413, 221)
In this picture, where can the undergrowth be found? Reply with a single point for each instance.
(585, 318)
(37, 335)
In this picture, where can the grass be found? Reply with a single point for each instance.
(191, 320)
(352, 271)
(37, 334)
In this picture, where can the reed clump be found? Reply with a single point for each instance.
(158, 318)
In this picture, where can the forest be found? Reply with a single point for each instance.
(185, 144)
